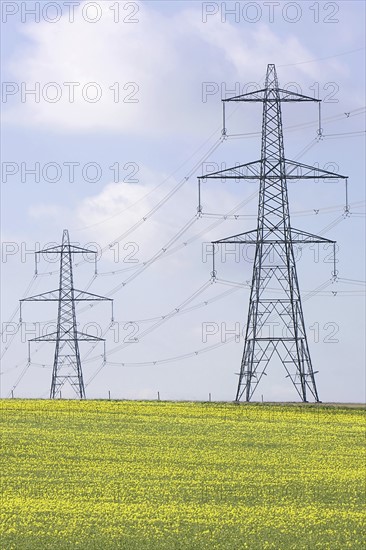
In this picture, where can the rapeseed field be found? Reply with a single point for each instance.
(181, 476)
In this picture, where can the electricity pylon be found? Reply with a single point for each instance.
(67, 363)
(274, 263)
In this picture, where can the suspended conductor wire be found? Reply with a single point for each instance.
(10, 369)
(19, 379)
(352, 281)
(161, 252)
(200, 351)
(159, 185)
(195, 237)
(27, 290)
(160, 203)
(303, 125)
(20, 321)
(118, 348)
(155, 257)
(213, 148)
(323, 58)
(147, 331)
(191, 239)
(331, 225)
(172, 192)
(16, 312)
(167, 196)
(160, 320)
(320, 292)
(181, 311)
(236, 286)
(42, 345)
(164, 251)
(172, 359)
(146, 320)
(157, 206)
(307, 296)
(309, 146)
(296, 214)
(345, 134)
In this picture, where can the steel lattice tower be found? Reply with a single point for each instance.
(67, 363)
(274, 262)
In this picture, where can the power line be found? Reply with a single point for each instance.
(295, 127)
(322, 58)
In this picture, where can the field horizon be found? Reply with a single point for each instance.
(137, 475)
(320, 404)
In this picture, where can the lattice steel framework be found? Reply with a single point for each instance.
(67, 362)
(274, 262)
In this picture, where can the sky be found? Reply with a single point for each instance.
(111, 110)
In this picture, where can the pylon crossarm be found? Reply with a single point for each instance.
(51, 337)
(311, 172)
(303, 237)
(88, 296)
(279, 95)
(54, 337)
(79, 250)
(237, 238)
(61, 249)
(237, 172)
(250, 237)
(287, 95)
(88, 337)
(257, 96)
(52, 295)
(252, 171)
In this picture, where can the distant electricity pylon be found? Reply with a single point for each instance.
(67, 363)
(274, 263)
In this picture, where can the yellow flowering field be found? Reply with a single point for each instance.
(181, 476)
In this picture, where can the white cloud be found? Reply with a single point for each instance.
(167, 57)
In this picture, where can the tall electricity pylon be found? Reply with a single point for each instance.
(67, 363)
(274, 263)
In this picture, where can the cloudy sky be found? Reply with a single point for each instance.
(110, 112)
